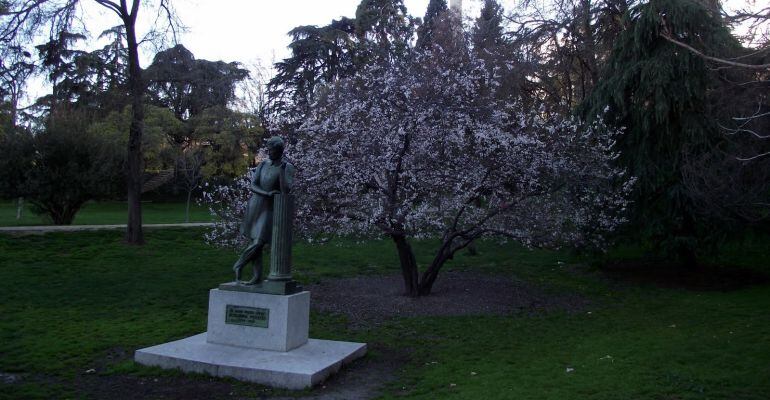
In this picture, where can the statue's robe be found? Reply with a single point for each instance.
(257, 222)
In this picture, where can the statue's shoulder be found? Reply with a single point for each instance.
(257, 171)
(289, 166)
(260, 165)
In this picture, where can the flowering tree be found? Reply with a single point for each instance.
(227, 203)
(420, 148)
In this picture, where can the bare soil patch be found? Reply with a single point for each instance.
(369, 299)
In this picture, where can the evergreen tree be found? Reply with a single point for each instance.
(189, 86)
(426, 30)
(381, 32)
(384, 30)
(659, 94)
(487, 33)
(319, 55)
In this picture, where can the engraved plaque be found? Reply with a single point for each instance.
(248, 316)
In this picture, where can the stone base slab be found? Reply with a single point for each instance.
(300, 368)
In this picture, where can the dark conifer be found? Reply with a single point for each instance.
(487, 33)
(426, 30)
(659, 93)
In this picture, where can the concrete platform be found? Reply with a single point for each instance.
(300, 368)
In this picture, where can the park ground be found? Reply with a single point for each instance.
(504, 323)
(106, 213)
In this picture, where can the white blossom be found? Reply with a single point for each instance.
(423, 148)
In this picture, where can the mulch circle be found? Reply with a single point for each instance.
(366, 299)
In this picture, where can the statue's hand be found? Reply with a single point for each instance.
(274, 192)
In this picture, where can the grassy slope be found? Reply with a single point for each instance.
(69, 300)
(98, 213)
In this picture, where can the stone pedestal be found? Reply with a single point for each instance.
(259, 321)
(256, 337)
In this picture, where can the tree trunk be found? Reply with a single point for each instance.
(688, 259)
(187, 208)
(408, 265)
(134, 168)
(447, 252)
(431, 273)
(688, 255)
(19, 207)
(64, 215)
(589, 46)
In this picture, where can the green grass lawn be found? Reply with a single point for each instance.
(105, 213)
(68, 302)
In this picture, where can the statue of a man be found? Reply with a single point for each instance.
(271, 177)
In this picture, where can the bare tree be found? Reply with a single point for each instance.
(189, 170)
(251, 92)
(751, 25)
(560, 46)
(27, 20)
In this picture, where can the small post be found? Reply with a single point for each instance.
(19, 207)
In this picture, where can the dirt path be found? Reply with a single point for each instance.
(79, 228)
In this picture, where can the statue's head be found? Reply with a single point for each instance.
(275, 148)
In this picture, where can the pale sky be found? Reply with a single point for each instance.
(246, 31)
(242, 30)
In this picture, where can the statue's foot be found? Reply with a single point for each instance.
(255, 280)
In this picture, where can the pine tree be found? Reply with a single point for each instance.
(487, 33)
(384, 30)
(426, 31)
(659, 93)
(319, 56)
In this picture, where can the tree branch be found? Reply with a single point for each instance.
(111, 5)
(754, 157)
(710, 58)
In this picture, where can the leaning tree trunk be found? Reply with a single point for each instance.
(431, 273)
(449, 246)
(134, 168)
(408, 265)
(414, 284)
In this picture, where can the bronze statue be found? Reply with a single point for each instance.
(272, 178)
